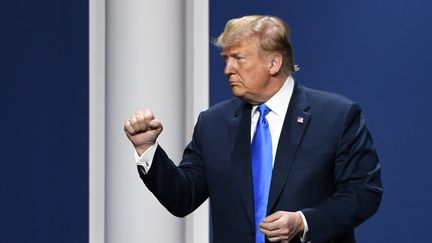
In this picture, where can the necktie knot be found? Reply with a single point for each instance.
(263, 109)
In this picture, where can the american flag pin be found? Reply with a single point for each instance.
(300, 120)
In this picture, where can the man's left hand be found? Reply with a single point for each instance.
(282, 226)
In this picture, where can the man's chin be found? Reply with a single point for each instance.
(237, 92)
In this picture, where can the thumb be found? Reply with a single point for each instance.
(155, 124)
(272, 217)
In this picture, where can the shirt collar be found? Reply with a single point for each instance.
(279, 102)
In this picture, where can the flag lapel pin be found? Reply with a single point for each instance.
(300, 120)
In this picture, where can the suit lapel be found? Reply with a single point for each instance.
(240, 157)
(295, 124)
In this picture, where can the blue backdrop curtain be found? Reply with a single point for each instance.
(44, 121)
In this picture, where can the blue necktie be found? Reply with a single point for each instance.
(261, 151)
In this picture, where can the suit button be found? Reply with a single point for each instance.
(252, 232)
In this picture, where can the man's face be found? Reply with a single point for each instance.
(247, 71)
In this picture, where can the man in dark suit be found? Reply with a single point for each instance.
(280, 162)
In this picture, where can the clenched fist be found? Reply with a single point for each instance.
(142, 129)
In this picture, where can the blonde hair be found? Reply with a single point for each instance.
(272, 33)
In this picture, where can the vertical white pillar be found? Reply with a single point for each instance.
(97, 121)
(197, 98)
(144, 69)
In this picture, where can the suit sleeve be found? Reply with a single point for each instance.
(180, 189)
(358, 184)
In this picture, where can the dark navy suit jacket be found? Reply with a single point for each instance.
(325, 165)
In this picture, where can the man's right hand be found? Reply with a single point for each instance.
(142, 129)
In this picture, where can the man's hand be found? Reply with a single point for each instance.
(282, 226)
(142, 129)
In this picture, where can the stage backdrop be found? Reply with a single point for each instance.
(44, 121)
(379, 54)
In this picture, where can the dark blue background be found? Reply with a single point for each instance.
(379, 54)
(44, 121)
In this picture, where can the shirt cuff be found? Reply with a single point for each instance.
(145, 160)
(304, 236)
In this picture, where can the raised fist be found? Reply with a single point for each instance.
(142, 129)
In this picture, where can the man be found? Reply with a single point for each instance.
(279, 162)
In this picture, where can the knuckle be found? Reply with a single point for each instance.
(140, 116)
(148, 114)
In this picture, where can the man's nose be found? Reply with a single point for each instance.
(229, 67)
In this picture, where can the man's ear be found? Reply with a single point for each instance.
(275, 63)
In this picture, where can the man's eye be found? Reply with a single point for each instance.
(240, 59)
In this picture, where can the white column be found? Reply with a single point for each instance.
(97, 121)
(197, 93)
(140, 54)
(145, 68)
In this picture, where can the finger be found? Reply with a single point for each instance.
(270, 229)
(274, 239)
(128, 127)
(270, 222)
(141, 121)
(134, 123)
(273, 217)
(271, 233)
(269, 226)
(281, 238)
(148, 116)
(155, 124)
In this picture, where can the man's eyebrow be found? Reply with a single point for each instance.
(233, 54)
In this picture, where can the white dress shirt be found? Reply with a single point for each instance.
(278, 105)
